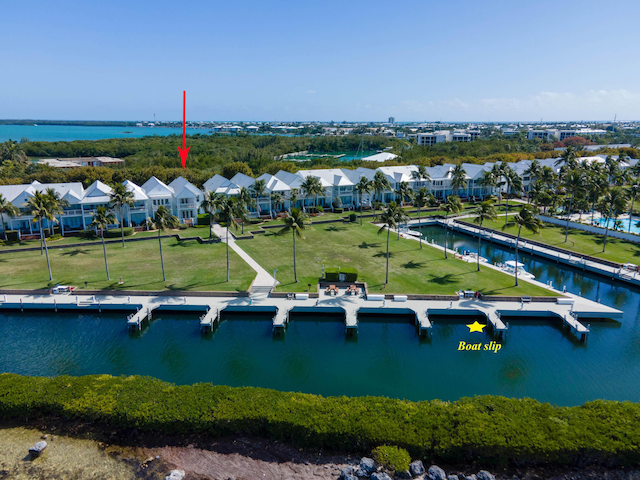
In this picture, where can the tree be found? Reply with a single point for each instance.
(527, 219)
(295, 222)
(633, 193)
(452, 206)
(210, 203)
(293, 197)
(101, 219)
(276, 199)
(513, 181)
(363, 186)
(244, 200)
(420, 200)
(119, 197)
(380, 183)
(488, 180)
(421, 174)
(13, 152)
(596, 184)
(533, 172)
(458, 178)
(312, 187)
(42, 207)
(231, 169)
(611, 206)
(404, 192)
(485, 211)
(390, 218)
(227, 213)
(498, 172)
(6, 208)
(573, 184)
(257, 189)
(57, 204)
(162, 220)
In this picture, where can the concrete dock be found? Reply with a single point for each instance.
(350, 309)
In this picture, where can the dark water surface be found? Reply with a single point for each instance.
(387, 358)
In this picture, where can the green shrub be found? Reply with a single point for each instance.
(392, 457)
(333, 274)
(12, 236)
(183, 226)
(203, 219)
(338, 210)
(490, 430)
(353, 217)
(54, 237)
(116, 232)
(87, 233)
(319, 209)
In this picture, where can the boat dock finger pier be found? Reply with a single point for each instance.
(350, 309)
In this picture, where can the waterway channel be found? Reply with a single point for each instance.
(386, 358)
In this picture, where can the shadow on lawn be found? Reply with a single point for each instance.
(412, 265)
(446, 279)
(384, 254)
(334, 228)
(75, 252)
(364, 245)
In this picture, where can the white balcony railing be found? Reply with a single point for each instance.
(70, 213)
(187, 205)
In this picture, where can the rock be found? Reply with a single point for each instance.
(175, 475)
(347, 473)
(349, 477)
(484, 475)
(38, 448)
(436, 473)
(367, 465)
(360, 473)
(471, 477)
(404, 475)
(380, 476)
(453, 477)
(416, 468)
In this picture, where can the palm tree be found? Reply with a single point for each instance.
(295, 222)
(458, 178)
(421, 174)
(363, 186)
(312, 187)
(42, 207)
(6, 207)
(162, 220)
(380, 183)
(595, 185)
(12, 151)
(257, 189)
(420, 200)
(485, 211)
(101, 219)
(513, 181)
(452, 206)
(210, 203)
(276, 200)
(633, 193)
(525, 219)
(573, 184)
(533, 172)
(228, 212)
(404, 191)
(568, 159)
(119, 197)
(488, 180)
(293, 197)
(390, 218)
(244, 199)
(498, 172)
(57, 203)
(611, 206)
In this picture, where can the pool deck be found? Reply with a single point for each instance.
(351, 309)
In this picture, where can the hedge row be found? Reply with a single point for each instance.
(488, 429)
(333, 274)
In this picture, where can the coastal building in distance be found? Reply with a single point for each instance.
(81, 162)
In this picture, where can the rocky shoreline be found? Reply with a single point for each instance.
(70, 458)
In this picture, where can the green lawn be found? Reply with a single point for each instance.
(411, 270)
(200, 231)
(188, 264)
(579, 241)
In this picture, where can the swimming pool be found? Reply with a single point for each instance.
(625, 223)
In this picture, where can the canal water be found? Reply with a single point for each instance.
(537, 360)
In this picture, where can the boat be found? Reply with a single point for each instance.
(62, 290)
(511, 266)
(469, 256)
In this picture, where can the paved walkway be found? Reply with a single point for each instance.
(263, 280)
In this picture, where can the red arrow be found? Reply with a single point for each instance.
(184, 151)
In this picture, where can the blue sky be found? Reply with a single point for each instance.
(320, 60)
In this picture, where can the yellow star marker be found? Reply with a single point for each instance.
(475, 327)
